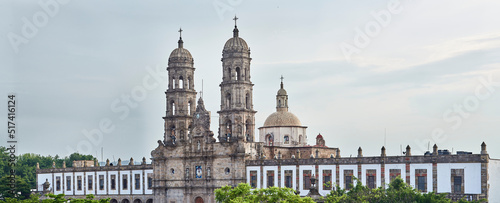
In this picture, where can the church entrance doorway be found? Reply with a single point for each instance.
(198, 200)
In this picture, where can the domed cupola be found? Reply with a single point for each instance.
(180, 54)
(236, 46)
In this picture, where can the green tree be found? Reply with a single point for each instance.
(244, 193)
(21, 189)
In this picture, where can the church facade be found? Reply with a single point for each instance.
(190, 162)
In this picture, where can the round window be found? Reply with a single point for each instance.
(172, 171)
(227, 170)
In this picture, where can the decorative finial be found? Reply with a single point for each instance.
(235, 19)
(282, 81)
(180, 32)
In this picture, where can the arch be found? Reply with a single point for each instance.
(286, 139)
(172, 107)
(269, 140)
(113, 201)
(247, 101)
(181, 82)
(228, 100)
(248, 128)
(189, 107)
(173, 83)
(279, 102)
(137, 201)
(198, 200)
(149, 201)
(125, 201)
(188, 83)
(238, 73)
(229, 74)
(300, 139)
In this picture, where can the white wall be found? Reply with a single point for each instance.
(294, 176)
(354, 169)
(75, 181)
(320, 177)
(148, 191)
(270, 168)
(375, 167)
(117, 182)
(280, 132)
(253, 168)
(401, 167)
(303, 192)
(101, 192)
(414, 167)
(472, 177)
(494, 180)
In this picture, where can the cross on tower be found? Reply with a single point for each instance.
(235, 19)
(180, 32)
(282, 78)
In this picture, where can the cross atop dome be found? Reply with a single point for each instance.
(235, 19)
(282, 81)
(180, 42)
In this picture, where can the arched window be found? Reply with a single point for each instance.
(149, 201)
(188, 83)
(173, 108)
(300, 139)
(137, 201)
(125, 201)
(286, 139)
(247, 101)
(238, 74)
(248, 127)
(181, 82)
(279, 102)
(229, 77)
(189, 108)
(269, 140)
(173, 82)
(228, 100)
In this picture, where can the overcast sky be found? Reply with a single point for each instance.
(424, 72)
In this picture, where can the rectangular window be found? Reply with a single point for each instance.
(79, 182)
(101, 182)
(457, 184)
(58, 183)
(371, 175)
(421, 183)
(90, 182)
(137, 181)
(307, 179)
(348, 179)
(394, 173)
(270, 178)
(113, 182)
(327, 179)
(371, 182)
(288, 178)
(253, 179)
(68, 183)
(125, 181)
(421, 178)
(150, 181)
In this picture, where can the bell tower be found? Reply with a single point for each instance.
(181, 95)
(236, 115)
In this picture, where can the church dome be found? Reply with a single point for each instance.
(236, 43)
(181, 53)
(282, 118)
(282, 92)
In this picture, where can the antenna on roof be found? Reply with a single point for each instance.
(385, 137)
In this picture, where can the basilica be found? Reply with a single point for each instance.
(191, 161)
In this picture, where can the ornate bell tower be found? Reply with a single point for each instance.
(181, 95)
(236, 115)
